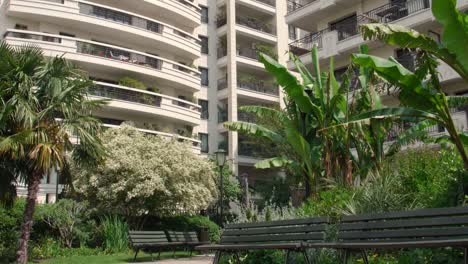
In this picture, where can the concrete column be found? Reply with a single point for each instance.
(282, 35)
(232, 80)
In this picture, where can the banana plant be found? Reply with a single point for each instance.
(314, 103)
(420, 92)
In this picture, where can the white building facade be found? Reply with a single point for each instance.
(171, 67)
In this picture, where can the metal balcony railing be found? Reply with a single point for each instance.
(255, 24)
(268, 2)
(304, 45)
(221, 52)
(257, 86)
(120, 55)
(222, 83)
(248, 53)
(294, 5)
(125, 95)
(222, 115)
(130, 19)
(246, 117)
(221, 22)
(350, 27)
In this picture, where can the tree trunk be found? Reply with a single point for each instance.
(33, 189)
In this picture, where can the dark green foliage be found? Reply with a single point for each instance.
(186, 223)
(10, 221)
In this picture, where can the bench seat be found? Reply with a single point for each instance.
(250, 246)
(391, 244)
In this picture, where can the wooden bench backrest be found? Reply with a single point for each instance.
(147, 237)
(417, 225)
(185, 237)
(287, 231)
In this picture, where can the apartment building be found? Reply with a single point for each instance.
(174, 68)
(332, 25)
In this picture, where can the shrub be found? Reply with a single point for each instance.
(69, 218)
(115, 234)
(327, 203)
(51, 248)
(188, 223)
(133, 83)
(10, 222)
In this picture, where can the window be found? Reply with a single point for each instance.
(204, 14)
(21, 27)
(67, 34)
(204, 76)
(204, 109)
(204, 44)
(406, 58)
(203, 137)
(292, 32)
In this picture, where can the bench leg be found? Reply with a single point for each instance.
(238, 260)
(286, 258)
(217, 257)
(364, 256)
(465, 256)
(306, 257)
(345, 256)
(159, 254)
(136, 253)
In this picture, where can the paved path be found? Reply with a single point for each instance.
(193, 260)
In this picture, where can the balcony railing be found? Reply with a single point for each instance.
(304, 45)
(294, 5)
(350, 27)
(257, 86)
(105, 51)
(246, 117)
(221, 22)
(248, 53)
(221, 52)
(128, 95)
(222, 83)
(255, 24)
(222, 115)
(121, 17)
(268, 2)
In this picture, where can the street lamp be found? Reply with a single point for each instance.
(220, 161)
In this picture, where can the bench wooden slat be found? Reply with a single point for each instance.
(133, 232)
(270, 238)
(432, 212)
(407, 223)
(274, 230)
(304, 221)
(406, 233)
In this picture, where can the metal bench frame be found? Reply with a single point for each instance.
(288, 235)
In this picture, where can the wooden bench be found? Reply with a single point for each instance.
(422, 228)
(288, 235)
(150, 242)
(187, 239)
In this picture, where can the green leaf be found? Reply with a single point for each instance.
(254, 130)
(455, 34)
(276, 162)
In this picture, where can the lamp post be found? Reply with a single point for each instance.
(220, 161)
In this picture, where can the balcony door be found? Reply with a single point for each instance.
(346, 27)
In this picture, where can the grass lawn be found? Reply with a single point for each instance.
(108, 259)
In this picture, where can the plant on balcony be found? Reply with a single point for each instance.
(267, 49)
(147, 175)
(420, 92)
(132, 83)
(35, 90)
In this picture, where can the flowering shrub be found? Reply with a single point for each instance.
(146, 174)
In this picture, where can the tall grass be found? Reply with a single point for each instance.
(115, 232)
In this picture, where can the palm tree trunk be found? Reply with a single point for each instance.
(33, 189)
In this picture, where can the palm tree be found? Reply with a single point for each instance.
(44, 105)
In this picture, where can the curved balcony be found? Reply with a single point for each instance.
(96, 56)
(196, 144)
(181, 12)
(128, 99)
(109, 22)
